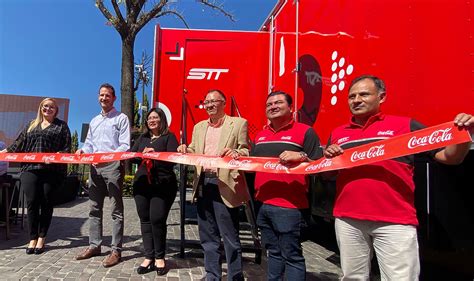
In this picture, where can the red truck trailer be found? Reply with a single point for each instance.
(424, 50)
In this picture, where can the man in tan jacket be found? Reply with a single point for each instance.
(219, 192)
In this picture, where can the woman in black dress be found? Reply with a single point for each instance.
(40, 180)
(154, 190)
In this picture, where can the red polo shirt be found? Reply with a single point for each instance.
(285, 190)
(382, 191)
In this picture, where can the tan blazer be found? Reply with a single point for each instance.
(232, 184)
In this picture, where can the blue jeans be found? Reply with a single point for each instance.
(281, 236)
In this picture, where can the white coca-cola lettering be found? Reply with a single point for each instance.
(374, 151)
(48, 158)
(178, 158)
(202, 161)
(127, 155)
(87, 158)
(107, 157)
(11, 157)
(274, 166)
(29, 157)
(437, 136)
(239, 163)
(323, 164)
(67, 158)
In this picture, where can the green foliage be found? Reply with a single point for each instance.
(145, 107)
(73, 168)
(127, 190)
(136, 111)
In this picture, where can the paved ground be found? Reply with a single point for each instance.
(68, 236)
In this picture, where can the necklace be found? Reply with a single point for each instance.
(154, 138)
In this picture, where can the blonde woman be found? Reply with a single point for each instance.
(45, 134)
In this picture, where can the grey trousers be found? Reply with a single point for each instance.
(106, 179)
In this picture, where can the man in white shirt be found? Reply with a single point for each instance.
(108, 132)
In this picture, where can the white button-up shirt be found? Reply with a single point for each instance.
(108, 132)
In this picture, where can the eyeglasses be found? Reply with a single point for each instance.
(152, 118)
(209, 102)
(48, 107)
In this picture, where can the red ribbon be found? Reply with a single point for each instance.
(148, 165)
(422, 140)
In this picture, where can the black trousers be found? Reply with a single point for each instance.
(39, 187)
(153, 206)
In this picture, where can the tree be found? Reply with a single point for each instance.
(128, 27)
(73, 168)
(136, 112)
(145, 108)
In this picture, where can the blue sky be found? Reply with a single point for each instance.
(64, 49)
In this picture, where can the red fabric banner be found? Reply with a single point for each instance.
(419, 141)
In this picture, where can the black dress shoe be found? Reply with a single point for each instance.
(39, 251)
(161, 270)
(146, 269)
(30, 251)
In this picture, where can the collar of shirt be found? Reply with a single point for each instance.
(218, 123)
(112, 111)
(288, 125)
(372, 119)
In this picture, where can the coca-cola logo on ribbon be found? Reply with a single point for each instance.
(107, 157)
(235, 163)
(11, 157)
(437, 136)
(48, 158)
(206, 162)
(68, 158)
(326, 163)
(29, 157)
(87, 158)
(178, 158)
(374, 151)
(274, 166)
(127, 155)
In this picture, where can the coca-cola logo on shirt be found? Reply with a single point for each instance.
(274, 166)
(374, 151)
(438, 136)
(323, 164)
(239, 163)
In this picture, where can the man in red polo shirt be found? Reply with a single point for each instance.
(374, 205)
(284, 196)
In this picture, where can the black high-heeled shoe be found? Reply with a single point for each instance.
(39, 251)
(161, 270)
(146, 269)
(30, 251)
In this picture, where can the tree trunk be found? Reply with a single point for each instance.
(126, 87)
